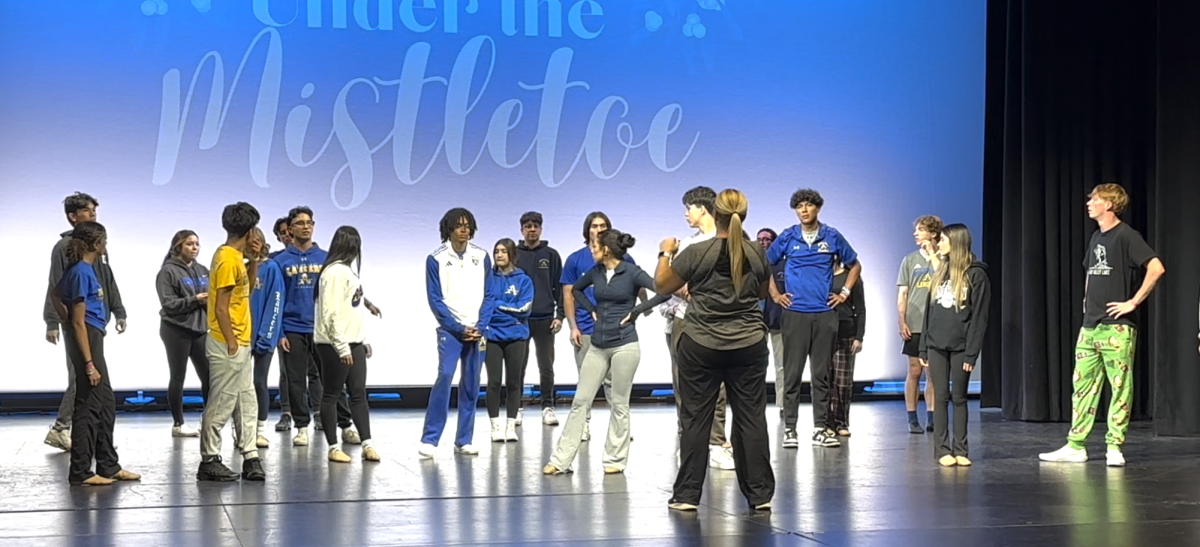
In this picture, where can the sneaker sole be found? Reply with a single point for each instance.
(253, 478)
(1064, 460)
(791, 445)
(216, 478)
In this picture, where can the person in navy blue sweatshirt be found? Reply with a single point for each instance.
(266, 311)
(809, 251)
(182, 286)
(301, 264)
(458, 282)
(285, 418)
(956, 320)
(79, 299)
(544, 266)
(507, 338)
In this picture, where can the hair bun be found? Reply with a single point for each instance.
(626, 241)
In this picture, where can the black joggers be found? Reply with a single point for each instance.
(541, 339)
(181, 344)
(949, 383)
(338, 377)
(304, 380)
(95, 412)
(807, 337)
(744, 373)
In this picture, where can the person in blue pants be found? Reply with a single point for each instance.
(458, 278)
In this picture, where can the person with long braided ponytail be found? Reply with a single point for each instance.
(724, 340)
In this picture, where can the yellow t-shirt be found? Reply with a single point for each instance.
(229, 270)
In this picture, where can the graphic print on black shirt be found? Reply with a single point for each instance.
(1112, 263)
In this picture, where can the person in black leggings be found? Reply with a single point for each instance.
(266, 307)
(341, 340)
(183, 293)
(507, 338)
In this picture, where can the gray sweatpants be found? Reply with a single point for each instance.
(66, 409)
(580, 353)
(231, 388)
(619, 364)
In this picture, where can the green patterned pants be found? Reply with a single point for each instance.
(1106, 350)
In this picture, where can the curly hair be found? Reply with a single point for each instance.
(806, 195)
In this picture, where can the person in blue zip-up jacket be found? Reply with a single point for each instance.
(508, 338)
(458, 280)
(266, 311)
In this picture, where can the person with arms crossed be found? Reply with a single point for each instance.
(79, 207)
(544, 266)
(458, 283)
(809, 250)
(1107, 338)
(507, 338)
(912, 297)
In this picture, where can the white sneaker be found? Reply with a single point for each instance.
(427, 450)
(184, 431)
(720, 457)
(467, 450)
(520, 416)
(510, 432)
(59, 438)
(1065, 454)
(1115, 458)
(549, 417)
(497, 430)
(350, 436)
(301, 438)
(587, 432)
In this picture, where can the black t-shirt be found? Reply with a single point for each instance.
(718, 316)
(1113, 258)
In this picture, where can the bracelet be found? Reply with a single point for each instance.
(845, 291)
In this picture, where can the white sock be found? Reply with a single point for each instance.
(262, 426)
(335, 446)
(366, 444)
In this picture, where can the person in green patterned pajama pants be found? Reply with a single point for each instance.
(1108, 336)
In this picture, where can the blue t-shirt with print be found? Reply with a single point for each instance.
(808, 268)
(79, 282)
(577, 264)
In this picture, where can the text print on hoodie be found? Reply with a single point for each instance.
(958, 328)
(301, 274)
(178, 284)
(266, 307)
(460, 288)
(513, 293)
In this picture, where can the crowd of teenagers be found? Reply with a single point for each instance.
(732, 304)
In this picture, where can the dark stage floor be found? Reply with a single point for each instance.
(881, 488)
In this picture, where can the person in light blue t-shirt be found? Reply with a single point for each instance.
(809, 251)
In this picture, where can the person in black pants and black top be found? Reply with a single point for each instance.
(724, 340)
(852, 323)
(183, 293)
(955, 322)
(544, 266)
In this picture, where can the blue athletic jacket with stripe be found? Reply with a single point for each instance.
(460, 288)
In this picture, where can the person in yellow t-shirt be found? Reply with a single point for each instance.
(231, 384)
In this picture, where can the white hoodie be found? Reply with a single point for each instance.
(339, 314)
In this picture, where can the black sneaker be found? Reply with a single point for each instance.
(252, 470)
(285, 423)
(317, 422)
(791, 439)
(929, 427)
(215, 471)
(915, 428)
(822, 437)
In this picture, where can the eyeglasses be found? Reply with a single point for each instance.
(304, 223)
(767, 239)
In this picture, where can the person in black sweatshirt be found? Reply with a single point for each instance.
(79, 207)
(952, 337)
(183, 293)
(852, 323)
(544, 266)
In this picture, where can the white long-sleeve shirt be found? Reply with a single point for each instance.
(340, 305)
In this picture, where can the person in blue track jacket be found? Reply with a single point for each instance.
(266, 311)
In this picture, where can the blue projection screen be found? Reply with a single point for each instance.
(383, 114)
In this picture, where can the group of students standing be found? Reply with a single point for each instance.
(726, 297)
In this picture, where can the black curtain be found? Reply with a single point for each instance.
(1074, 99)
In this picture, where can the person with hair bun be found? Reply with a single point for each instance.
(614, 350)
(183, 293)
(723, 341)
(79, 300)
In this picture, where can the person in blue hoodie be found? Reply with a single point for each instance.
(301, 264)
(458, 280)
(266, 309)
(508, 338)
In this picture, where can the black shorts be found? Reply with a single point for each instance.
(912, 346)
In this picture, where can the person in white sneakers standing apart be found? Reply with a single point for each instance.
(342, 342)
(1109, 333)
(508, 339)
(458, 280)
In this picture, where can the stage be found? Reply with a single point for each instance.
(881, 487)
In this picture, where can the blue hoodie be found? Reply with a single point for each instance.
(266, 305)
(513, 293)
(301, 274)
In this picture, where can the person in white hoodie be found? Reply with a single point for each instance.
(341, 341)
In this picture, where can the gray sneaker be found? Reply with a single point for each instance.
(59, 438)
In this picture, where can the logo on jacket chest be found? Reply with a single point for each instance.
(307, 274)
(357, 298)
(544, 264)
(1101, 266)
(511, 290)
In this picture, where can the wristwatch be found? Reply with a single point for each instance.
(664, 254)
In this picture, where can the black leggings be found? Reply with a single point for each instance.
(95, 411)
(511, 355)
(337, 376)
(182, 343)
(262, 367)
(542, 340)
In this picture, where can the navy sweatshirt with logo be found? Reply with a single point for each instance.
(301, 274)
(544, 267)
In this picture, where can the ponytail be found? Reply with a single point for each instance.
(731, 208)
